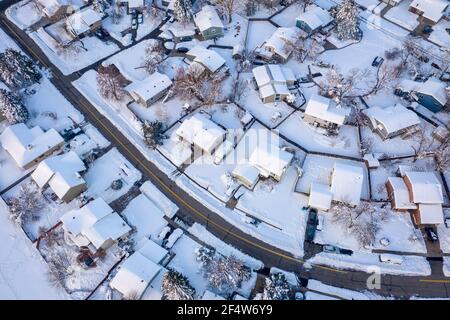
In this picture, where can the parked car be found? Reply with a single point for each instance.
(134, 23)
(427, 29)
(377, 61)
(432, 236)
(140, 18)
(102, 34)
(333, 249)
(299, 296)
(182, 49)
(311, 225)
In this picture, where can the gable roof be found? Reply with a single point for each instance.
(326, 109)
(81, 21)
(209, 59)
(394, 118)
(61, 173)
(315, 17)
(134, 275)
(320, 196)
(432, 9)
(272, 79)
(400, 193)
(426, 188)
(277, 41)
(431, 213)
(150, 86)
(25, 145)
(201, 131)
(207, 18)
(347, 182)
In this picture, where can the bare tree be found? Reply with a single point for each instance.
(154, 56)
(227, 7)
(238, 89)
(303, 47)
(196, 81)
(26, 206)
(60, 263)
(111, 83)
(427, 146)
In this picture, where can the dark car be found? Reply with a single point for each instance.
(432, 236)
(377, 61)
(311, 225)
(102, 33)
(182, 49)
(427, 29)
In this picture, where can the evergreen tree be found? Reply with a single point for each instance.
(153, 133)
(17, 70)
(183, 10)
(12, 108)
(277, 287)
(176, 286)
(347, 20)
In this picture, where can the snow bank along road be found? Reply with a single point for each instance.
(401, 286)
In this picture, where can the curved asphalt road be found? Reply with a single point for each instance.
(399, 286)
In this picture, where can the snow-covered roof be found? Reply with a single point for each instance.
(61, 173)
(150, 86)
(95, 222)
(209, 59)
(346, 183)
(277, 42)
(432, 87)
(320, 196)
(426, 188)
(371, 160)
(326, 109)
(270, 159)
(432, 9)
(393, 118)
(401, 193)
(207, 18)
(26, 145)
(246, 172)
(50, 7)
(202, 132)
(271, 79)
(315, 17)
(81, 21)
(134, 275)
(431, 213)
(134, 3)
(151, 250)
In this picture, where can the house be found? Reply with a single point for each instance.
(62, 174)
(346, 183)
(313, 19)
(83, 22)
(273, 82)
(180, 32)
(134, 275)
(275, 47)
(149, 90)
(392, 3)
(207, 59)
(208, 23)
(429, 11)
(398, 193)
(431, 94)
(324, 112)
(391, 121)
(201, 132)
(94, 225)
(27, 146)
(55, 10)
(418, 192)
(133, 4)
(246, 174)
(320, 196)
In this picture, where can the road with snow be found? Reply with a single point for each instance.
(400, 286)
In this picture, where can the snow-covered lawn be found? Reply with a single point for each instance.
(288, 17)
(369, 262)
(346, 143)
(106, 169)
(278, 205)
(446, 266)
(397, 228)
(23, 272)
(69, 62)
(318, 169)
(444, 238)
(235, 32)
(439, 35)
(24, 13)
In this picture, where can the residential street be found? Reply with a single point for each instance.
(399, 286)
